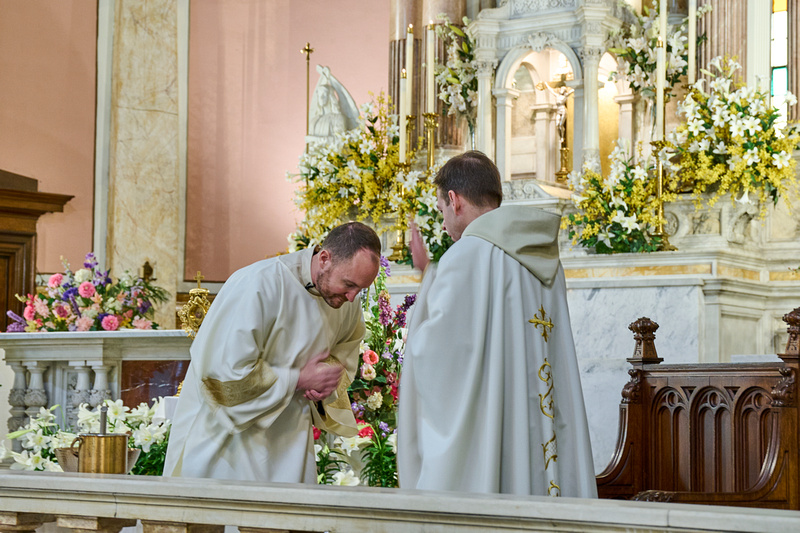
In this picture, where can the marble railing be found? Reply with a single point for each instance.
(72, 368)
(85, 502)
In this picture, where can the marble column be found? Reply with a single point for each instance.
(100, 390)
(505, 106)
(80, 394)
(725, 28)
(759, 26)
(483, 122)
(35, 395)
(793, 9)
(546, 141)
(16, 400)
(591, 104)
(403, 13)
(627, 120)
(578, 123)
(144, 177)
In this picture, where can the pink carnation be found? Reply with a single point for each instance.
(86, 289)
(370, 357)
(84, 323)
(142, 323)
(55, 280)
(110, 323)
(28, 313)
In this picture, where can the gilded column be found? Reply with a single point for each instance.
(591, 104)
(144, 177)
(505, 106)
(793, 8)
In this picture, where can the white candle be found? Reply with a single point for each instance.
(403, 112)
(410, 70)
(661, 70)
(430, 103)
(692, 70)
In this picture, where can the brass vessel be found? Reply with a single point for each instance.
(99, 453)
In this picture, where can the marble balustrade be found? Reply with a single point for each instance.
(83, 503)
(72, 368)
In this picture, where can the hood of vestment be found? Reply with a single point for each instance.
(528, 234)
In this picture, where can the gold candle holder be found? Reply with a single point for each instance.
(431, 123)
(659, 232)
(563, 172)
(400, 238)
(411, 121)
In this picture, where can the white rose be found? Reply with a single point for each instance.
(83, 275)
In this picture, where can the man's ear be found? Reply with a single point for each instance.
(324, 258)
(456, 201)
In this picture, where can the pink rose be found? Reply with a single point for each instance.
(55, 280)
(142, 323)
(370, 357)
(86, 289)
(317, 433)
(28, 313)
(110, 323)
(84, 323)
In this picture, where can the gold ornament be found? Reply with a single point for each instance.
(194, 311)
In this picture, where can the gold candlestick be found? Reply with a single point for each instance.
(410, 122)
(563, 172)
(400, 239)
(431, 123)
(659, 232)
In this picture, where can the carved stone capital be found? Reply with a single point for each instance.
(485, 68)
(783, 395)
(632, 391)
(644, 333)
(591, 54)
(540, 40)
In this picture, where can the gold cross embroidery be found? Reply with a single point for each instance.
(544, 321)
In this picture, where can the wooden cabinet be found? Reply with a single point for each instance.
(21, 205)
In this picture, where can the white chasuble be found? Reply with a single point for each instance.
(490, 396)
(239, 415)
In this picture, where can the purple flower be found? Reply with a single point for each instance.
(90, 261)
(386, 355)
(384, 427)
(385, 316)
(18, 324)
(385, 265)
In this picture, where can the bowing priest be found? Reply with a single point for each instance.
(277, 350)
(490, 397)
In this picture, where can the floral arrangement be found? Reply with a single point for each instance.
(42, 436)
(371, 456)
(457, 77)
(617, 213)
(733, 141)
(428, 219)
(357, 170)
(635, 47)
(88, 300)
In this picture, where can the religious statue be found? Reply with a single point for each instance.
(561, 93)
(332, 109)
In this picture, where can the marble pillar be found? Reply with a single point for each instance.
(483, 123)
(505, 106)
(144, 178)
(627, 120)
(725, 28)
(591, 104)
(546, 141)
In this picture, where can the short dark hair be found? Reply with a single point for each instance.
(472, 175)
(343, 242)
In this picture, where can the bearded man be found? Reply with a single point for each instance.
(278, 347)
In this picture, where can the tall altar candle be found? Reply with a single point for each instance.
(692, 70)
(430, 89)
(403, 111)
(410, 70)
(661, 70)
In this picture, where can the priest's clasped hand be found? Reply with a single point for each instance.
(317, 379)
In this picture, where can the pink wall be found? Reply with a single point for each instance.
(247, 114)
(47, 114)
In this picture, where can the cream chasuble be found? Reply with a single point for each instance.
(490, 396)
(239, 416)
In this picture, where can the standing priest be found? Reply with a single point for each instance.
(490, 398)
(278, 347)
